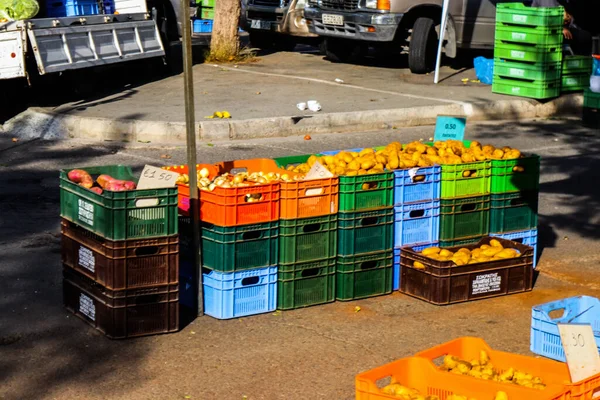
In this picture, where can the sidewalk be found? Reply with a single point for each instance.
(262, 97)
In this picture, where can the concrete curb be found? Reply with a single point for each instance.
(38, 123)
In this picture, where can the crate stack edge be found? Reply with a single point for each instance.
(591, 109)
(576, 71)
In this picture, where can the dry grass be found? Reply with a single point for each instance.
(244, 56)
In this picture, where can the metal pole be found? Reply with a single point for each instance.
(438, 60)
(190, 122)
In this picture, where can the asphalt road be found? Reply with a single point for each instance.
(45, 353)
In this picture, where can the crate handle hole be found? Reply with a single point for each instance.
(314, 191)
(251, 280)
(369, 221)
(310, 272)
(253, 197)
(239, 170)
(146, 251)
(368, 265)
(518, 169)
(416, 213)
(469, 173)
(557, 314)
(251, 235)
(468, 207)
(519, 240)
(517, 202)
(370, 185)
(147, 203)
(311, 228)
(419, 178)
(147, 299)
(383, 382)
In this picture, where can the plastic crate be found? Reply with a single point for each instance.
(444, 282)
(527, 71)
(591, 99)
(553, 373)
(464, 217)
(591, 117)
(455, 184)
(366, 192)
(207, 3)
(416, 223)
(459, 242)
(364, 275)
(535, 90)
(545, 337)
(307, 239)
(57, 9)
(513, 211)
(122, 314)
(239, 294)
(529, 35)
(183, 190)
(527, 237)
(365, 231)
(519, 14)
(228, 249)
(397, 252)
(577, 65)
(575, 82)
(532, 54)
(422, 375)
(133, 214)
(125, 264)
(202, 25)
(207, 13)
(518, 174)
(291, 161)
(417, 184)
(306, 283)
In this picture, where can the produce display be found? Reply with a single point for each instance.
(492, 252)
(405, 393)
(241, 179)
(103, 182)
(482, 368)
(415, 154)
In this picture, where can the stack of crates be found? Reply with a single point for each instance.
(365, 226)
(416, 211)
(120, 255)
(576, 71)
(528, 51)
(591, 109)
(73, 8)
(206, 9)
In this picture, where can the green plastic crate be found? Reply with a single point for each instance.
(207, 3)
(519, 174)
(364, 275)
(527, 71)
(519, 14)
(577, 65)
(459, 242)
(529, 35)
(236, 248)
(365, 231)
(307, 239)
(284, 162)
(464, 217)
(575, 82)
(207, 13)
(513, 211)
(534, 90)
(456, 184)
(532, 54)
(133, 214)
(591, 99)
(306, 284)
(366, 192)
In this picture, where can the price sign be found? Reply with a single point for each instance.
(157, 178)
(449, 128)
(318, 171)
(580, 350)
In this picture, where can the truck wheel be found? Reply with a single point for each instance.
(261, 40)
(339, 50)
(423, 46)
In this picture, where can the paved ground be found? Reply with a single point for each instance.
(312, 353)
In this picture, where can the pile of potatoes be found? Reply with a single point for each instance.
(405, 393)
(241, 179)
(416, 154)
(492, 252)
(482, 368)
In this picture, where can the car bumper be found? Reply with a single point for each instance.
(278, 20)
(356, 26)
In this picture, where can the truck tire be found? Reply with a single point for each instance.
(261, 40)
(340, 50)
(423, 46)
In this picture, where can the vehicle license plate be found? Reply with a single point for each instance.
(332, 19)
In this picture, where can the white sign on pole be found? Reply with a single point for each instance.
(157, 178)
(443, 25)
(580, 350)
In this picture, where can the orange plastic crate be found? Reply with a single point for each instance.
(183, 193)
(553, 373)
(422, 375)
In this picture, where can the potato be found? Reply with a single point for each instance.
(495, 243)
(81, 177)
(418, 265)
(446, 253)
(507, 253)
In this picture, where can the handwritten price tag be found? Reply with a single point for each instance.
(318, 171)
(580, 350)
(157, 178)
(450, 128)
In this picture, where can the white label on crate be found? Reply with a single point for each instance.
(487, 283)
(87, 307)
(517, 54)
(516, 89)
(573, 63)
(580, 350)
(571, 81)
(86, 212)
(157, 178)
(86, 259)
(318, 171)
(517, 72)
(519, 18)
(519, 36)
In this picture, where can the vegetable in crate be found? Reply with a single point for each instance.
(241, 179)
(81, 177)
(492, 252)
(106, 182)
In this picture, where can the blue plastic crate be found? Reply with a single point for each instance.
(545, 337)
(417, 184)
(334, 152)
(238, 294)
(416, 223)
(57, 9)
(396, 272)
(202, 25)
(528, 237)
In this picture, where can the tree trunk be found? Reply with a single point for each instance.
(225, 41)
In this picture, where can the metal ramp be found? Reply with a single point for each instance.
(81, 45)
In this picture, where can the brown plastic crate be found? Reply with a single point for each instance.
(443, 282)
(120, 264)
(122, 314)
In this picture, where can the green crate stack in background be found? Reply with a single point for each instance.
(528, 51)
(206, 9)
(576, 71)
(591, 109)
